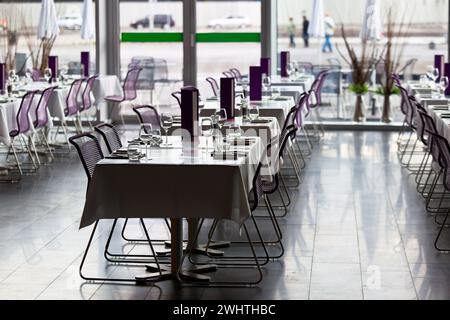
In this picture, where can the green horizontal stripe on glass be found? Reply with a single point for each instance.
(152, 37)
(200, 37)
(229, 37)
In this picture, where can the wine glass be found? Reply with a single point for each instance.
(290, 69)
(253, 113)
(443, 84)
(29, 76)
(156, 137)
(207, 127)
(222, 114)
(63, 73)
(12, 76)
(146, 137)
(47, 74)
(134, 151)
(166, 124)
(265, 82)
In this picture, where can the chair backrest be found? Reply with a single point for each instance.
(146, 79)
(89, 151)
(148, 115)
(129, 85)
(72, 106)
(237, 74)
(408, 69)
(177, 96)
(86, 95)
(444, 156)
(214, 86)
(419, 122)
(161, 70)
(308, 66)
(430, 129)
(41, 113)
(301, 105)
(408, 107)
(35, 74)
(110, 136)
(228, 74)
(22, 118)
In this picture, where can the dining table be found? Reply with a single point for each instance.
(185, 181)
(268, 107)
(9, 106)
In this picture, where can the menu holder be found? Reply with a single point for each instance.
(85, 61)
(189, 111)
(2, 77)
(255, 79)
(447, 74)
(53, 65)
(285, 58)
(227, 96)
(266, 66)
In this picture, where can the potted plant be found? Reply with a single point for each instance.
(390, 58)
(361, 69)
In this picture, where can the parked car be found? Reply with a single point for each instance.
(72, 22)
(230, 22)
(162, 21)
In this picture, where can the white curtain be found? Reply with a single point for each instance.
(48, 21)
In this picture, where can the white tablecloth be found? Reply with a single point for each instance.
(278, 108)
(176, 183)
(105, 85)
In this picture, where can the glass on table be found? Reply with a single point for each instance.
(207, 127)
(166, 124)
(146, 137)
(156, 137)
(443, 84)
(47, 74)
(234, 131)
(63, 73)
(222, 117)
(253, 112)
(134, 151)
(266, 82)
(276, 93)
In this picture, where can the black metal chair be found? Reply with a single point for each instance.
(90, 154)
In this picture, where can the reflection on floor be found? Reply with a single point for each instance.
(357, 230)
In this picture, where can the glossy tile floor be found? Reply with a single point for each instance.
(357, 230)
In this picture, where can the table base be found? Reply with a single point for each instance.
(194, 273)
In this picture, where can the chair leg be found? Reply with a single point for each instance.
(16, 157)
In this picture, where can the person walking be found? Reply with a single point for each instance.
(329, 32)
(291, 32)
(305, 31)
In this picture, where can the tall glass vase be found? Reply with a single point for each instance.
(360, 106)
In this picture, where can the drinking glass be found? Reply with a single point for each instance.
(234, 131)
(146, 137)
(134, 151)
(265, 82)
(47, 74)
(166, 124)
(276, 93)
(253, 113)
(207, 127)
(63, 73)
(28, 76)
(222, 114)
(224, 144)
(443, 83)
(12, 76)
(156, 137)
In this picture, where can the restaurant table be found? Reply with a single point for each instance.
(103, 86)
(304, 81)
(268, 107)
(181, 182)
(285, 91)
